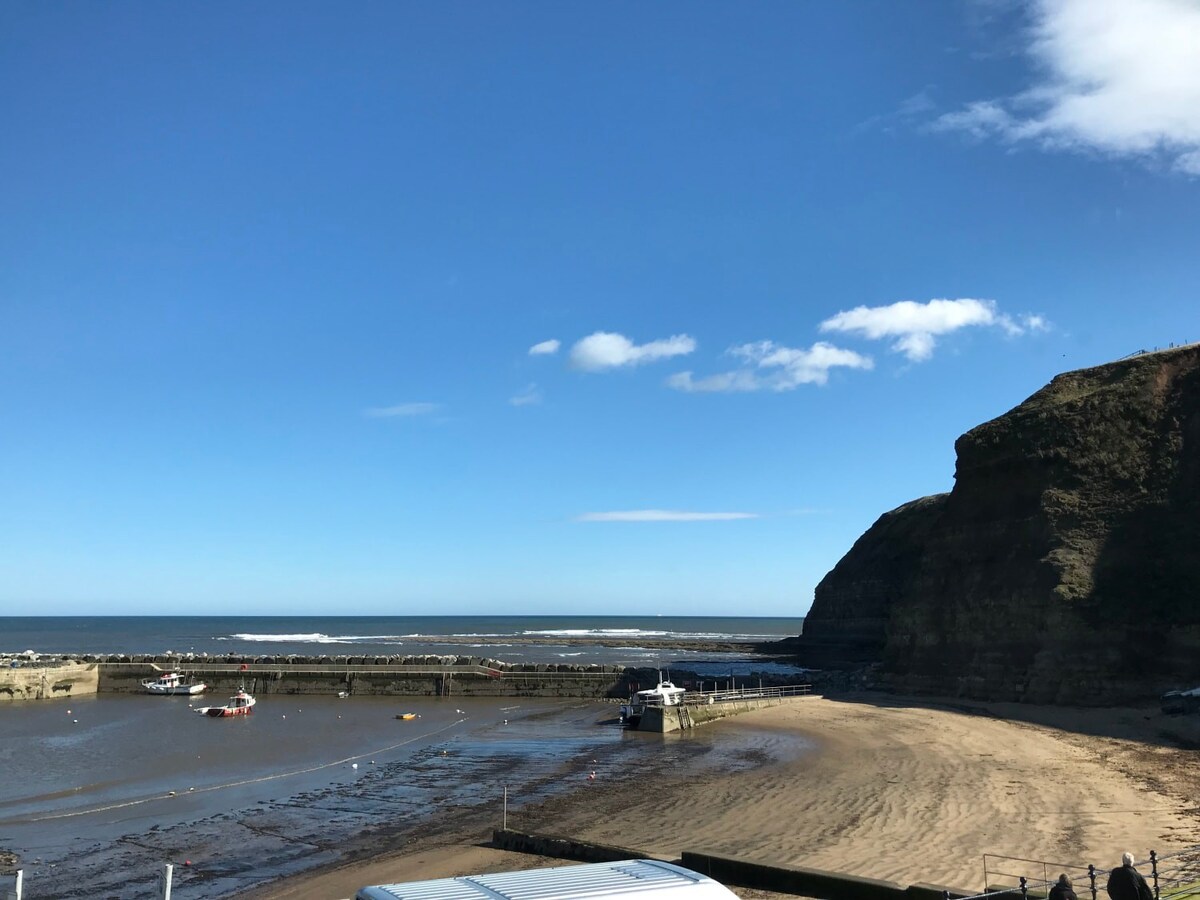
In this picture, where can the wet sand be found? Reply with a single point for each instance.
(904, 790)
(113, 786)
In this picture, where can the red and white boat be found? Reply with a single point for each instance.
(240, 704)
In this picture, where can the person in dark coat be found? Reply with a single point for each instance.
(1126, 883)
(1062, 890)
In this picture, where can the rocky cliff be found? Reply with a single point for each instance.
(1064, 566)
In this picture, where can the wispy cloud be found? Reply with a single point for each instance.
(609, 350)
(770, 366)
(1116, 77)
(662, 515)
(402, 409)
(545, 348)
(915, 327)
(911, 110)
(527, 396)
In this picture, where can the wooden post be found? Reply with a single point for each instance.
(504, 820)
(164, 881)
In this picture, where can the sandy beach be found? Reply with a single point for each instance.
(904, 790)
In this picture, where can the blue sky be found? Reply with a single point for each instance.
(272, 277)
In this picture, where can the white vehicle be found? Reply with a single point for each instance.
(645, 878)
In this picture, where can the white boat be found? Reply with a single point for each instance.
(240, 704)
(663, 694)
(1176, 702)
(173, 683)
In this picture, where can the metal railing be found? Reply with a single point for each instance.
(1174, 876)
(697, 698)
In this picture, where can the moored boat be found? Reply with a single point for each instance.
(240, 704)
(663, 694)
(173, 683)
(406, 716)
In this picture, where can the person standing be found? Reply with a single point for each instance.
(1063, 890)
(1126, 883)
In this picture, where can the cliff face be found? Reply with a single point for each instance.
(1064, 566)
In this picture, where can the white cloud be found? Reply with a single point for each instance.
(528, 396)
(915, 326)
(918, 106)
(1035, 323)
(545, 348)
(1117, 77)
(402, 409)
(769, 366)
(608, 350)
(662, 515)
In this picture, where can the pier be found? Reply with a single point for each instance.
(417, 676)
(698, 707)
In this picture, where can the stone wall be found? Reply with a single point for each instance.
(71, 679)
(667, 719)
(385, 676)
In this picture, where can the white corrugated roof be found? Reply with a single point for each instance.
(643, 877)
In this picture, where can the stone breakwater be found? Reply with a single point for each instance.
(29, 678)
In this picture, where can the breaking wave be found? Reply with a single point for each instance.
(315, 638)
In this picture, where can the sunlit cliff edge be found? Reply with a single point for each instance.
(1063, 567)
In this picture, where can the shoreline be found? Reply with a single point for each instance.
(766, 649)
(898, 788)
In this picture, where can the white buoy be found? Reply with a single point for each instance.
(354, 765)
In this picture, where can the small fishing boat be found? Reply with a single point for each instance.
(173, 683)
(240, 704)
(663, 694)
(406, 716)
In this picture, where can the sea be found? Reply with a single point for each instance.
(98, 793)
(630, 641)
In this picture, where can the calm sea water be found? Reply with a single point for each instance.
(99, 792)
(491, 636)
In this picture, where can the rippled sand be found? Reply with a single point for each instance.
(904, 791)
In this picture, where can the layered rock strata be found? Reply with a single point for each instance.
(1064, 566)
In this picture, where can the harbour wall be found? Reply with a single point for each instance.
(70, 679)
(432, 676)
(665, 719)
